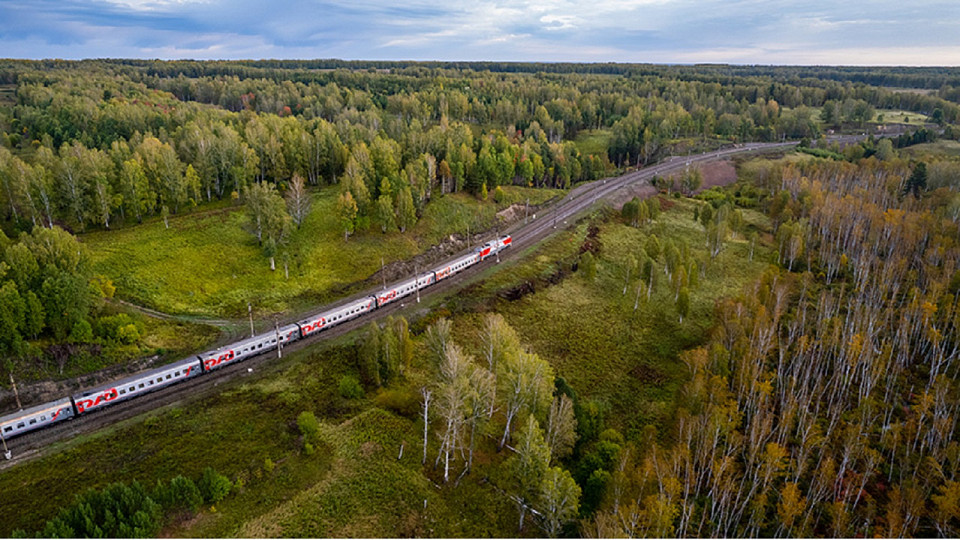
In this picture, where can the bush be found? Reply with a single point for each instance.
(498, 195)
(402, 402)
(117, 511)
(81, 332)
(309, 427)
(350, 387)
(120, 328)
(180, 494)
(213, 486)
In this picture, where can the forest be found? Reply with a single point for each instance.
(783, 358)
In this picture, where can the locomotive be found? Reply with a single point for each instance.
(94, 399)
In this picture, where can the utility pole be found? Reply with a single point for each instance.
(7, 454)
(383, 273)
(499, 245)
(16, 394)
(276, 327)
(250, 313)
(526, 206)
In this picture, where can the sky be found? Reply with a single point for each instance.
(809, 32)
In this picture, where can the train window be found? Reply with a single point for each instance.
(150, 382)
(132, 389)
(7, 429)
(33, 421)
(177, 374)
(168, 376)
(20, 425)
(141, 385)
(122, 391)
(42, 418)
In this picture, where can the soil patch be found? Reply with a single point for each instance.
(717, 173)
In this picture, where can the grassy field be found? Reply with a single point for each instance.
(942, 148)
(594, 141)
(900, 117)
(207, 264)
(357, 483)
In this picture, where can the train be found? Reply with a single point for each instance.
(94, 399)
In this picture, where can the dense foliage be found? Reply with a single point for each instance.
(826, 402)
(95, 142)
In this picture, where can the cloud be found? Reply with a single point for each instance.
(673, 31)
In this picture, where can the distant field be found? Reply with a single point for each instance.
(900, 117)
(594, 141)
(921, 91)
(940, 148)
(207, 264)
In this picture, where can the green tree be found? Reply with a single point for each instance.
(917, 181)
(406, 213)
(558, 500)
(347, 213)
(683, 303)
(213, 486)
(527, 469)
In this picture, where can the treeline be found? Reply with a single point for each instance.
(133, 511)
(902, 76)
(144, 153)
(101, 142)
(826, 401)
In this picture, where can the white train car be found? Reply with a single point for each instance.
(318, 322)
(136, 385)
(37, 417)
(249, 347)
(457, 265)
(403, 289)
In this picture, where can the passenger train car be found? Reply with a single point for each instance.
(98, 398)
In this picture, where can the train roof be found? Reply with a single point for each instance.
(32, 411)
(145, 374)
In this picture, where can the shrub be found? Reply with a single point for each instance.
(403, 402)
(309, 427)
(117, 511)
(350, 387)
(498, 195)
(81, 332)
(180, 494)
(269, 465)
(213, 486)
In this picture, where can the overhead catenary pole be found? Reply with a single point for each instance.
(7, 454)
(276, 327)
(383, 273)
(16, 393)
(250, 313)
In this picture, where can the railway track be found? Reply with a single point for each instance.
(578, 201)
